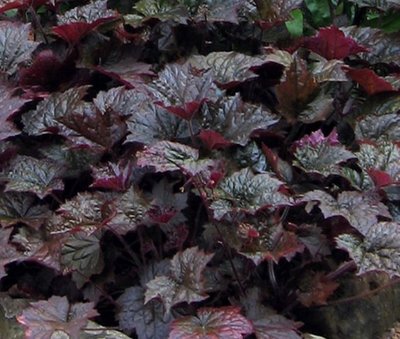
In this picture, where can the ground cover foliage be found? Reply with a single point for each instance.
(194, 169)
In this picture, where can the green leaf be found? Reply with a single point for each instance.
(23, 207)
(244, 191)
(39, 176)
(185, 283)
(320, 12)
(16, 45)
(210, 322)
(360, 209)
(378, 251)
(82, 254)
(375, 127)
(295, 24)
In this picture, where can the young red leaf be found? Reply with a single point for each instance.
(73, 32)
(45, 318)
(380, 178)
(209, 322)
(213, 140)
(187, 111)
(370, 81)
(331, 43)
(116, 177)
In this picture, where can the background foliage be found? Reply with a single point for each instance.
(195, 169)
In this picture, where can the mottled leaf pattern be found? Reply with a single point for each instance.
(15, 45)
(90, 13)
(39, 176)
(360, 209)
(248, 192)
(185, 282)
(379, 250)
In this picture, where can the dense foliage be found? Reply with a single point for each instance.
(193, 168)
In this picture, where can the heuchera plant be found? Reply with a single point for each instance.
(176, 168)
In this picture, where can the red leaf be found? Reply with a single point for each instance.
(115, 177)
(223, 322)
(331, 43)
(281, 168)
(370, 81)
(213, 140)
(186, 112)
(380, 178)
(22, 5)
(75, 31)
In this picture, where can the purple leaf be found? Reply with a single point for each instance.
(45, 318)
(185, 283)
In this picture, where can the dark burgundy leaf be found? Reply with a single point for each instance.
(45, 73)
(369, 81)
(187, 111)
(331, 43)
(213, 140)
(22, 5)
